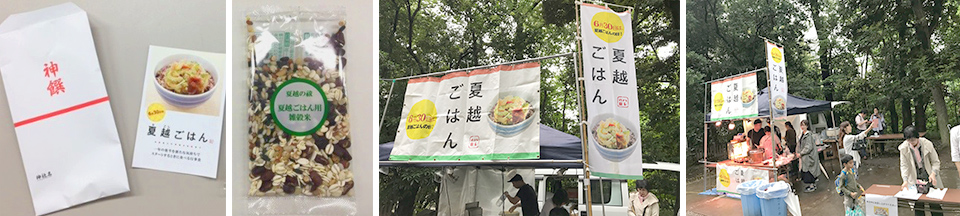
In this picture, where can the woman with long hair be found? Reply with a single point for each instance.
(846, 140)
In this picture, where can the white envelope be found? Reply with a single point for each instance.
(60, 108)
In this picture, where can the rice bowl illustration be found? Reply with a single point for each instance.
(613, 137)
(748, 96)
(780, 105)
(185, 81)
(511, 114)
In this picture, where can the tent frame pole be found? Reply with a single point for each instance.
(389, 95)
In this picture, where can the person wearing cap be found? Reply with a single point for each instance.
(526, 197)
(642, 202)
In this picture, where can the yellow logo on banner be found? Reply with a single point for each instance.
(724, 178)
(718, 101)
(421, 119)
(607, 26)
(776, 54)
(156, 112)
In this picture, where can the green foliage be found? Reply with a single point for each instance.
(894, 55)
(423, 36)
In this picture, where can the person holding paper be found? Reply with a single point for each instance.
(810, 161)
(919, 164)
(862, 121)
(878, 117)
(526, 197)
(847, 141)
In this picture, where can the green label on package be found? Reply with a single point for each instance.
(299, 107)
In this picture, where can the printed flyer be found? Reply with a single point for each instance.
(181, 112)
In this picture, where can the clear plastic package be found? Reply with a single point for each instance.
(299, 138)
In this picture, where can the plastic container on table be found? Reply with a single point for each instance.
(772, 198)
(748, 197)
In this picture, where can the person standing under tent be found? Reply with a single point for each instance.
(790, 137)
(756, 134)
(919, 164)
(557, 201)
(768, 143)
(847, 140)
(526, 197)
(809, 159)
(555, 189)
(642, 202)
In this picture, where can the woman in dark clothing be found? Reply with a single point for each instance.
(791, 138)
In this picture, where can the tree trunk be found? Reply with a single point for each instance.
(407, 203)
(822, 50)
(940, 106)
(906, 109)
(921, 117)
(894, 120)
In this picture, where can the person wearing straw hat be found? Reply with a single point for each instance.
(526, 197)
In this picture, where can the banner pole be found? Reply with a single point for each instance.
(583, 115)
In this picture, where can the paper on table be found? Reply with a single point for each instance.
(937, 193)
(60, 108)
(909, 193)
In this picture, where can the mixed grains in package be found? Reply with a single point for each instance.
(299, 137)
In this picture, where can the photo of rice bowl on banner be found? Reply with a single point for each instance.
(484, 114)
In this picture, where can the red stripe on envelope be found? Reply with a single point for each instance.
(60, 112)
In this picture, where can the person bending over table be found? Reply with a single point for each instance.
(526, 197)
(919, 164)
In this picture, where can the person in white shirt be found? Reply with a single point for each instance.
(955, 146)
(862, 122)
(847, 139)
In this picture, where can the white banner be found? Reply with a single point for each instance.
(880, 205)
(485, 114)
(734, 97)
(777, 70)
(610, 83)
(728, 177)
